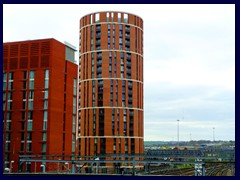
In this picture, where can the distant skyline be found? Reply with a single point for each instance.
(189, 60)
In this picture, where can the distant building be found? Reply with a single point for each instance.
(111, 84)
(39, 101)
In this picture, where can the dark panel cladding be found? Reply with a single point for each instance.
(5, 64)
(45, 48)
(24, 49)
(34, 62)
(13, 50)
(13, 63)
(23, 62)
(44, 61)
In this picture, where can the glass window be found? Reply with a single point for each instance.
(119, 17)
(8, 136)
(125, 16)
(45, 104)
(24, 95)
(9, 116)
(7, 146)
(10, 76)
(9, 106)
(112, 15)
(74, 124)
(31, 84)
(24, 104)
(75, 86)
(9, 95)
(44, 147)
(44, 136)
(74, 105)
(30, 104)
(22, 145)
(107, 17)
(10, 85)
(30, 115)
(31, 75)
(25, 75)
(31, 95)
(46, 74)
(97, 17)
(8, 125)
(91, 19)
(4, 76)
(24, 84)
(46, 84)
(44, 125)
(4, 85)
(29, 128)
(73, 146)
(23, 115)
(45, 94)
(29, 146)
(29, 136)
(45, 114)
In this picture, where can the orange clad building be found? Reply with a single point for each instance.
(39, 101)
(111, 84)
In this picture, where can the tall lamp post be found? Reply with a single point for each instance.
(213, 134)
(43, 168)
(178, 131)
(67, 164)
(11, 165)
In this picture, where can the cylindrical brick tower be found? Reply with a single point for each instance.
(111, 84)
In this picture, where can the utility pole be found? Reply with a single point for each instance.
(178, 131)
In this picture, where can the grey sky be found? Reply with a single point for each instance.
(189, 61)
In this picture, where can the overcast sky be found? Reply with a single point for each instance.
(189, 61)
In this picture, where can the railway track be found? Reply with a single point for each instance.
(212, 169)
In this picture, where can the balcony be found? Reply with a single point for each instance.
(98, 47)
(98, 42)
(98, 28)
(99, 62)
(98, 35)
(127, 29)
(127, 36)
(99, 56)
(130, 84)
(127, 48)
(130, 92)
(128, 64)
(99, 69)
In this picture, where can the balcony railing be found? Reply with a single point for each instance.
(98, 35)
(98, 28)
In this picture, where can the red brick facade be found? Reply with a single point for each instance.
(38, 98)
(111, 84)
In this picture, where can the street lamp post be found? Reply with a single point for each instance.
(66, 163)
(43, 167)
(178, 131)
(58, 166)
(11, 165)
(213, 134)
